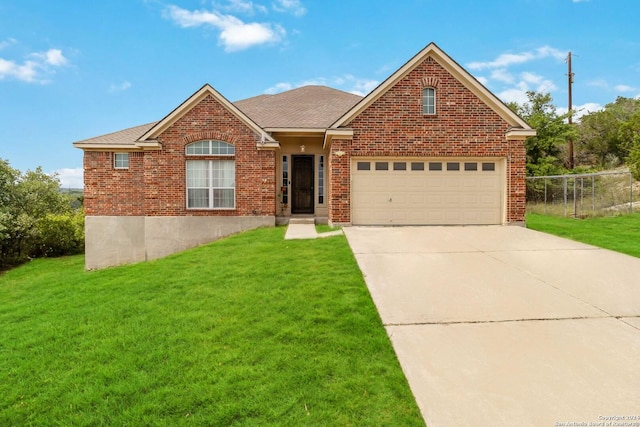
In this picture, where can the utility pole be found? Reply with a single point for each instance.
(570, 121)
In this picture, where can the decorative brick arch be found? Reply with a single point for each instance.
(430, 82)
(210, 134)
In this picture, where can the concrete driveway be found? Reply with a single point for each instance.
(506, 326)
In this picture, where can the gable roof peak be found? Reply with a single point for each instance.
(192, 101)
(434, 52)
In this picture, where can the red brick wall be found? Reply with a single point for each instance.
(517, 186)
(339, 200)
(463, 125)
(156, 186)
(109, 191)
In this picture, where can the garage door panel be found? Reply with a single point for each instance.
(427, 197)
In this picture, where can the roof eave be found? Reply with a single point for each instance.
(273, 145)
(295, 130)
(135, 146)
(331, 134)
(520, 134)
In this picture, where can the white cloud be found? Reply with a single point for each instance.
(244, 6)
(511, 86)
(619, 88)
(234, 33)
(502, 75)
(361, 87)
(516, 95)
(71, 177)
(121, 87)
(598, 83)
(51, 57)
(279, 87)
(526, 81)
(503, 60)
(33, 68)
(624, 88)
(541, 84)
(55, 57)
(8, 42)
(26, 72)
(507, 59)
(293, 6)
(581, 110)
(347, 83)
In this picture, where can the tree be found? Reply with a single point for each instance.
(629, 134)
(600, 133)
(8, 179)
(35, 218)
(544, 149)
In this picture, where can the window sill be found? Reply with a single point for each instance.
(211, 209)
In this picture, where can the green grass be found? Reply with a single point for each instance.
(249, 330)
(324, 228)
(618, 233)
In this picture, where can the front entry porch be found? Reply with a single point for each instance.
(301, 177)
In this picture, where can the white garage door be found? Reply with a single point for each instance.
(427, 191)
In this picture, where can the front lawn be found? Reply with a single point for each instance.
(618, 233)
(249, 330)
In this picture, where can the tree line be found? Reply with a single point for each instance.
(604, 139)
(36, 219)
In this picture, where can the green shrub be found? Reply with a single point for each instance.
(58, 235)
(36, 219)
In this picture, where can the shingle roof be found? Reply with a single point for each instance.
(304, 107)
(125, 136)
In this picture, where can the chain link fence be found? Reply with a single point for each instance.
(585, 195)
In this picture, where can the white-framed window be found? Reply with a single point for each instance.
(285, 179)
(210, 148)
(428, 101)
(211, 182)
(121, 160)
(320, 180)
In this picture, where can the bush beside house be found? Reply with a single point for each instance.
(36, 219)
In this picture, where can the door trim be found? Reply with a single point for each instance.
(295, 209)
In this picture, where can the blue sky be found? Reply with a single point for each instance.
(71, 70)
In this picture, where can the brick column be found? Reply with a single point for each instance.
(340, 184)
(516, 186)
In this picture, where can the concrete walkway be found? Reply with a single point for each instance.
(306, 229)
(506, 326)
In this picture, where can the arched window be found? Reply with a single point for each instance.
(211, 178)
(428, 100)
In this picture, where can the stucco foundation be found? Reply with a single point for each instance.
(116, 240)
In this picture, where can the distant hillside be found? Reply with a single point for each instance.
(74, 192)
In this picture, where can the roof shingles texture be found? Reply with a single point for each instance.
(125, 136)
(304, 107)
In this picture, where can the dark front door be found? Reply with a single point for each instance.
(302, 184)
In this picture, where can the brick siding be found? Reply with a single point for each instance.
(155, 183)
(394, 125)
